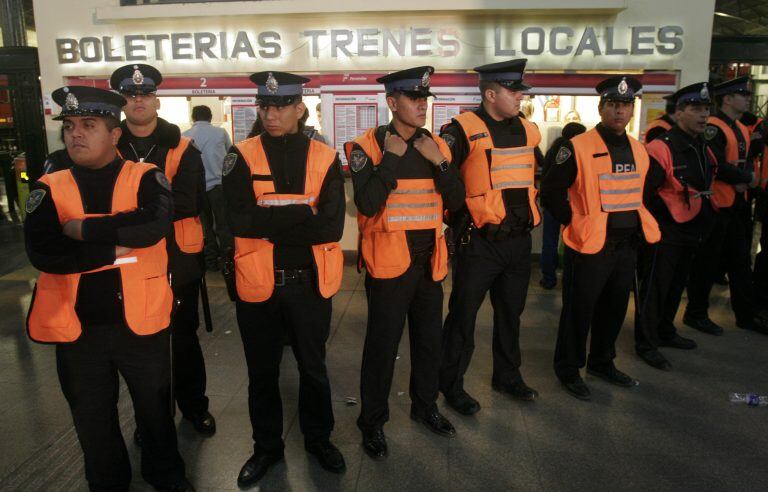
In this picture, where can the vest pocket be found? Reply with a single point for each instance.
(487, 208)
(155, 305)
(52, 316)
(189, 235)
(386, 254)
(330, 268)
(255, 272)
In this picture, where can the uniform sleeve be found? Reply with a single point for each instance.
(539, 158)
(50, 251)
(244, 216)
(457, 142)
(654, 180)
(717, 145)
(186, 184)
(728, 173)
(554, 186)
(450, 186)
(328, 224)
(372, 184)
(143, 227)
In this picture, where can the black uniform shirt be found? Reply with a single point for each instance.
(504, 134)
(560, 177)
(373, 184)
(50, 251)
(292, 228)
(658, 131)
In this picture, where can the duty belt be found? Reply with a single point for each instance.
(285, 277)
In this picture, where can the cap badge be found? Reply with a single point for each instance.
(623, 87)
(138, 77)
(71, 103)
(704, 93)
(272, 85)
(425, 79)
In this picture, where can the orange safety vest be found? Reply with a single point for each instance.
(254, 259)
(188, 232)
(657, 123)
(673, 192)
(146, 294)
(597, 191)
(723, 193)
(414, 204)
(511, 167)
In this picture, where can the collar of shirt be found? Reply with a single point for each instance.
(681, 140)
(419, 131)
(108, 169)
(611, 138)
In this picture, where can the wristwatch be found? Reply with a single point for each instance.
(443, 165)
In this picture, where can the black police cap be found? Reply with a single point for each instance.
(136, 79)
(278, 88)
(507, 73)
(412, 81)
(697, 93)
(740, 85)
(622, 88)
(87, 101)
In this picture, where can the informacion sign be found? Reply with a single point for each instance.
(243, 117)
(352, 116)
(444, 108)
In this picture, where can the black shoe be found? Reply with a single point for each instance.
(755, 324)
(204, 423)
(184, 486)
(327, 455)
(375, 444)
(678, 342)
(435, 422)
(463, 403)
(137, 438)
(548, 284)
(654, 359)
(613, 376)
(704, 325)
(576, 387)
(255, 468)
(517, 390)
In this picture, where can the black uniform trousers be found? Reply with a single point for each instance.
(504, 268)
(189, 378)
(595, 295)
(88, 372)
(419, 299)
(727, 242)
(663, 269)
(298, 311)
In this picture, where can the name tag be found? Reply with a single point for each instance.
(477, 136)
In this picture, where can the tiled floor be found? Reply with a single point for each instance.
(676, 431)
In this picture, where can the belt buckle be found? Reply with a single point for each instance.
(281, 283)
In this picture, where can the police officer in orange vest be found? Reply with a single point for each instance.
(595, 189)
(684, 212)
(403, 181)
(148, 138)
(729, 238)
(285, 206)
(663, 124)
(96, 233)
(497, 154)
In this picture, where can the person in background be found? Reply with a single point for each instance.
(551, 227)
(309, 130)
(662, 124)
(213, 143)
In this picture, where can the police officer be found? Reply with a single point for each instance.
(662, 124)
(96, 232)
(149, 138)
(728, 239)
(595, 189)
(497, 154)
(682, 208)
(285, 207)
(403, 180)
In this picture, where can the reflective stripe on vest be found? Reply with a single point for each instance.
(254, 258)
(146, 294)
(723, 193)
(488, 171)
(414, 204)
(657, 123)
(597, 190)
(188, 232)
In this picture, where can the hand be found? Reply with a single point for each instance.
(314, 210)
(74, 229)
(122, 251)
(429, 149)
(395, 144)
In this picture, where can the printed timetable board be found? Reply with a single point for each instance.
(352, 116)
(445, 107)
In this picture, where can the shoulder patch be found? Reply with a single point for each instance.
(710, 132)
(162, 180)
(229, 163)
(34, 200)
(357, 160)
(449, 139)
(563, 155)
